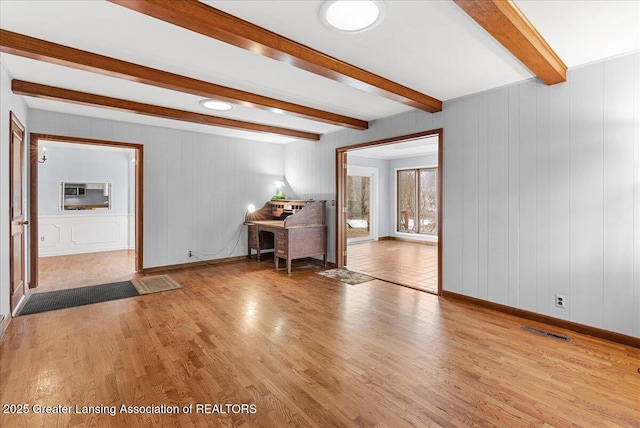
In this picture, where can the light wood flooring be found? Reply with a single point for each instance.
(408, 263)
(309, 352)
(79, 270)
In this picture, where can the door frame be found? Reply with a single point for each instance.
(341, 192)
(34, 139)
(372, 173)
(16, 125)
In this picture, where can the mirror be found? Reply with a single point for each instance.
(84, 196)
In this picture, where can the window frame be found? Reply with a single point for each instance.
(417, 169)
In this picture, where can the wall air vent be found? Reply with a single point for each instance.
(547, 333)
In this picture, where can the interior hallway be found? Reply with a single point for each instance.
(410, 264)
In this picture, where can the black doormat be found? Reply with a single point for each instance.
(54, 300)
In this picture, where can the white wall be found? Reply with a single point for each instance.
(82, 164)
(8, 102)
(196, 186)
(542, 196)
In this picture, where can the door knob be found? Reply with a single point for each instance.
(24, 222)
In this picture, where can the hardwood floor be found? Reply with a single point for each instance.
(307, 351)
(411, 264)
(79, 270)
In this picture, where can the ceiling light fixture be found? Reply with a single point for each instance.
(216, 105)
(352, 16)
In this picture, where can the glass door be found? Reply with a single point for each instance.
(361, 208)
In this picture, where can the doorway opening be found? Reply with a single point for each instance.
(86, 211)
(407, 211)
(362, 208)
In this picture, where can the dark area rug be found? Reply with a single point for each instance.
(54, 300)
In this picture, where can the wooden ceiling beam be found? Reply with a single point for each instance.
(37, 90)
(41, 50)
(508, 25)
(206, 20)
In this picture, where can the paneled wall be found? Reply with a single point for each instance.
(196, 186)
(8, 103)
(542, 196)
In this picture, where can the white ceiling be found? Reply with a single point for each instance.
(429, 46)
(416, 147)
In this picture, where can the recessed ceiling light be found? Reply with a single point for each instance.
(216, 105)
(352, 16)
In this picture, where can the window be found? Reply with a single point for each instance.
(417, 209)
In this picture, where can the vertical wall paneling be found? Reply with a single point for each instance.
(181, 175)
(528, 224)
(498, 197)
(543, 301)
(453, 198)
(470, 193)
(483, 195)
(636, 191)
(540, 152)
(196, 185)
(559, 198)
(586, 86)
(618, 193)
(513, 119)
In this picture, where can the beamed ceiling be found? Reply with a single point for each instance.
(288, 76)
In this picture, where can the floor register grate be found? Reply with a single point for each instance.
(547, 333)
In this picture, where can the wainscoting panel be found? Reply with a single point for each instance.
(49, 235)
(83, 233)
(87, 233)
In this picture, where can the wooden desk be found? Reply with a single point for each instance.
(303, 234)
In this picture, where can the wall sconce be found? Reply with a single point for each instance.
(44, 155)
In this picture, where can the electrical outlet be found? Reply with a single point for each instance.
(42, 238)
(189, 253)
(561, 301)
